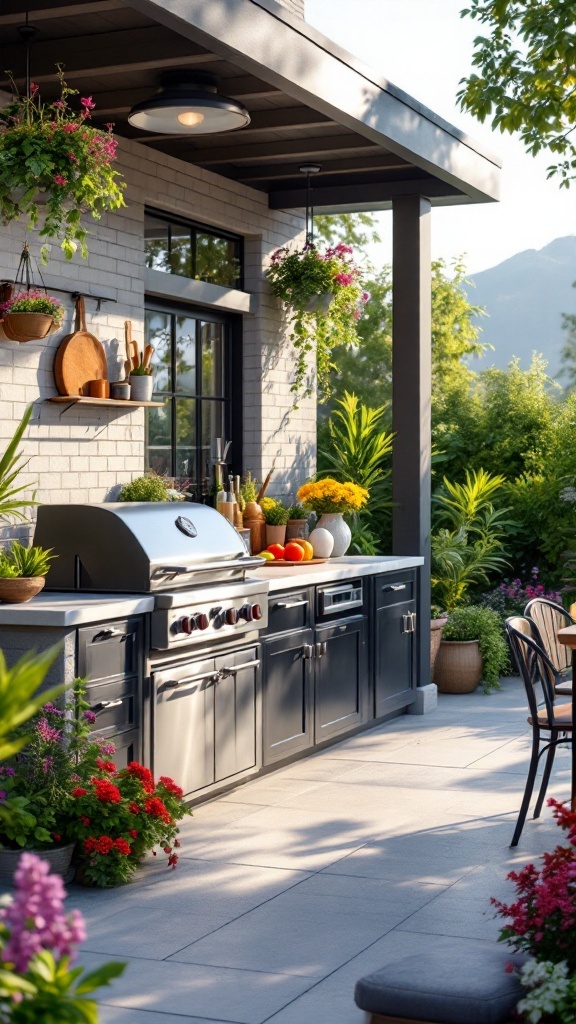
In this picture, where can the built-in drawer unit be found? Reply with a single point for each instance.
(288, 611)
(394, 587)
(110, 649)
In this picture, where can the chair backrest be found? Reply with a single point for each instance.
(534, 665)
(549, 618)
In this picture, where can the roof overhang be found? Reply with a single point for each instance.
(309, 100)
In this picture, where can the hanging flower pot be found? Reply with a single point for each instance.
(323, 293)
(54, 166)
(31, 315)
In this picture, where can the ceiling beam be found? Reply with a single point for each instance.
(271, 172)
(108, 53)
(111, 103)
(349, 195)
(62, 9)
(300, 149)
(281, 119)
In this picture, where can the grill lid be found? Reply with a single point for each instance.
(139, 546)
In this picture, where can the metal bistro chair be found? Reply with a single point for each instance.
(549, 617)
(550, 718)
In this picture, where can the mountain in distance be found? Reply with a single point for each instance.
(525, 297)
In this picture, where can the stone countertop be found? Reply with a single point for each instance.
(73, 609)
(299, 574)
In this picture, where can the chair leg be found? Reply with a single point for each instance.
(529, 787)
(545, 779)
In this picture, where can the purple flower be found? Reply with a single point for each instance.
(90, 717)
(106, 748)
(3, 795)
(47, 732)
(35, 918)
(47, 764)
(6, 770)
(51, 709)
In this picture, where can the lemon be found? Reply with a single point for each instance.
(267, 555)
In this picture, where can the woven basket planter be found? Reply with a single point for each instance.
(28, 326)
(436, 630)
(58, 857)
(458, 666)
(23, 588)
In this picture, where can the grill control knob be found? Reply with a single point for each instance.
(246, 612)
(201, 621)
(185, 625)
(231, 616)
(256, 611)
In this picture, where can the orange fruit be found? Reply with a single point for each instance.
(293, 552)
(306, 547)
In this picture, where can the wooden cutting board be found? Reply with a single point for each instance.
(286, 561)
(80, 358)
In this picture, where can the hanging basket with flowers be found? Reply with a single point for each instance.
(54, 166)
(323, 291)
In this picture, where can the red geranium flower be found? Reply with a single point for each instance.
(85, 820)
(171, 786)
(132, 832)
(123, 847)
(133, 808)
(142, 773)
(99, 844)
(106, 791)
(156, 809)
(106, 766)
(79, 791)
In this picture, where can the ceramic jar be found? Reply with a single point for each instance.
(334, 523)
(141, 387)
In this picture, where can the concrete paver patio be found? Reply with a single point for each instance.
(294, 885)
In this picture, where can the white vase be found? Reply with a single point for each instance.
(141, 387)
(334, 523)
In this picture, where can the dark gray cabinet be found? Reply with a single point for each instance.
(287, 695)
(341, 677)
(394, 625)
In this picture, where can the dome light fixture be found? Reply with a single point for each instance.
(188, 104)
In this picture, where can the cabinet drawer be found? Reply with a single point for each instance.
(290, 610)
(394, 588)
(114, 705)
(110, 649)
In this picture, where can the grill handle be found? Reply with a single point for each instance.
(235, 563)
(232, 670)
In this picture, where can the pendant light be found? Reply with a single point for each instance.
(188, 103)
(309, 170)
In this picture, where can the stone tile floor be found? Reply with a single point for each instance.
(293, 886)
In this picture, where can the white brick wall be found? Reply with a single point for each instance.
(83, 454)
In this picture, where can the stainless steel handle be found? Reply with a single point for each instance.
(232, 670)
(103, 705)
(307, 651)
(394, 586)
(171, 570)
(241, 562)
(107, 634)
(412, 622)
(321, 649)
(171, 684)
(290, 604)
(406, 624)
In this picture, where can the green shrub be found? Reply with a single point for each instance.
(145, 488)
(472, 622)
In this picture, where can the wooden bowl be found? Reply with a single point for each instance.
(23, 588)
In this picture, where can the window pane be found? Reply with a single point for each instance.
(180, 251)
(156, 245)
(217, 260)
(157, 333)
(185, 355)
(185, 422)
(212, 336)
(159, 439)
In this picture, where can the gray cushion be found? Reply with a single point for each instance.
(461, 982)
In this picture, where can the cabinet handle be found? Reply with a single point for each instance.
(232, 670)
(171, 684)
(290, 604)
(394, 586)
(307, 652)
(107, 634)
(104, 705)
(321, 649)
(412, 622)
(406, 624)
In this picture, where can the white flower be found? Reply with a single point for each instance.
(547, 984)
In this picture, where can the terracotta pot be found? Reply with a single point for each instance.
(275, 534)
(23, 588)
(297, 528)
(254, 521)
(28, 326)
(458, 666)
(436, 630)
(58, 857)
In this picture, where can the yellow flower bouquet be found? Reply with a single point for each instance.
(329, 495)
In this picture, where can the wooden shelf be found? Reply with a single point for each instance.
(124, 403)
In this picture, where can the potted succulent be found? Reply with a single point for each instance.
(31, 315)
(472, 649)
(23, 571)
(324, 294)
(297, 524)
(51, 152)
(276, 516)
(331, 500)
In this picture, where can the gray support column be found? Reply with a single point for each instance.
(411, 390)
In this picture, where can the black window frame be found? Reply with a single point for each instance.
(195, 228)
(232, 398)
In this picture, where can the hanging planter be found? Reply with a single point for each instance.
(29, 314)
(54, 166)
(323, 293)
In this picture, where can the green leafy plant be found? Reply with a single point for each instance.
(324, 294)
(275, 513)
(467, 542)
(249, 488)
(11, 464)
(19, 561)
(145, 488)
(34, 301)
(472, 622)
(53, 149)
(141, 371)
(297, 512)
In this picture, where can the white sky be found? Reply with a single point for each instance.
(425, 48)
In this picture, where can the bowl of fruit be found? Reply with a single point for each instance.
(294, 552)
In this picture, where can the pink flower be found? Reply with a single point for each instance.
(33, 88)
(344, 279)
(59, 104)
(70, 127)
(46, 732)
(87, 102)
(60, 180)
